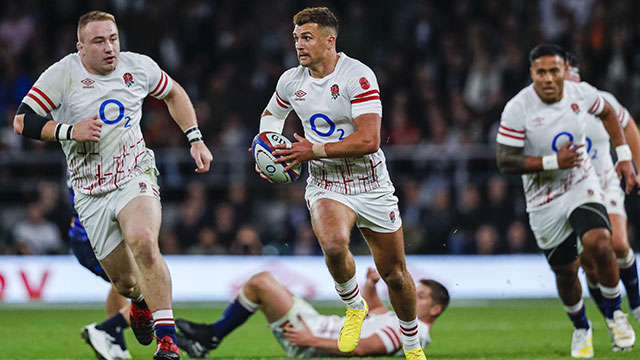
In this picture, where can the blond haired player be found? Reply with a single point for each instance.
(94, 98)
(338, 101)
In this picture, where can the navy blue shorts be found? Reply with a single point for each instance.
(81, 247)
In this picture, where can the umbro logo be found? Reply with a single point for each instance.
(87, 83)
(299, 95)
(538, 121)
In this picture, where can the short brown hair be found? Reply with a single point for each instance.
(439, 293)
(318, 15)
(94, 16)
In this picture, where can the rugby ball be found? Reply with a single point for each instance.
(263, 146)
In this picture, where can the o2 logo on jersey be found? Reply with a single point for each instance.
(569, 136)
(332, 126)
(110, 103)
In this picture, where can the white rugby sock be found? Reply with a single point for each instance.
(163, 317)
(246, 303)
(409, 330)
(350, 294)
(628, 261)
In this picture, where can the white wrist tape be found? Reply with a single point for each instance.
(271, 123)
(624, 153)
(63, 132)
(550, 162)
(318, 151)
(193, 134)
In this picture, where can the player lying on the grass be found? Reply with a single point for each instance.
(302, 331)
(106, 338)
(614, 195)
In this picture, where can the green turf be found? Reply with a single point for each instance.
(505, 329)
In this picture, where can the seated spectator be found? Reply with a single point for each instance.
(246, 242)
(35, 235)
(207, 243)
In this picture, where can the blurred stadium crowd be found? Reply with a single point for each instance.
(446, 69)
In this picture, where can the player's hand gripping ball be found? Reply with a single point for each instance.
(263, 146)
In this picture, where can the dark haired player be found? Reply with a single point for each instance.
(338, 101)
(542, 137)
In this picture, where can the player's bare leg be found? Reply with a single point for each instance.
(567, 282)
(140, 223)
(122, 270)
(598, 248)
(388, 254)
(273, 299)
(570, 293)
(332, 222)
(115, 302)
(261, 291)
(626, 259)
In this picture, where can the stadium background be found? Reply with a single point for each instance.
(446, 69)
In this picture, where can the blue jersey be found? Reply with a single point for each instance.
(77, 231)
(80, 245)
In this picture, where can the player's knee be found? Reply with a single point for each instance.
(147, 254)
(141, 235)
(565, 273)
(394, 277)
(597, 241)
(125, 285)
(335, 246)
(620, 245)
(259, 281)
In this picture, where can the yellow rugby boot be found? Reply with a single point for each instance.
(415, 354)
(350, 332)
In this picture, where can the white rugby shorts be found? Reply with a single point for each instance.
(311, 317)
(550, 222)
(613, 194)
(376, 210)
(98, 213)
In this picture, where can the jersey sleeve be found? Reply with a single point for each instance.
(390, 337)
(621, 112)
(279, 106)
(159, 84)
(46, 94)
(594, 99)
(512, 126)
(364, 92)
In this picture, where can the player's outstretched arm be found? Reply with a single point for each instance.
(183, 113)
(370, 293)
(371, 345)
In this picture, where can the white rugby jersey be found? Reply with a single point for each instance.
(598, 144)
(385, 325)
(541, 129)
(70, 94)
(327, 108)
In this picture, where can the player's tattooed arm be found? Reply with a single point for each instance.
(511, 159)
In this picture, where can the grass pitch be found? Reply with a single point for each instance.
(495, 329)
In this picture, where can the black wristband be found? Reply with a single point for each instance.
(33, 123)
